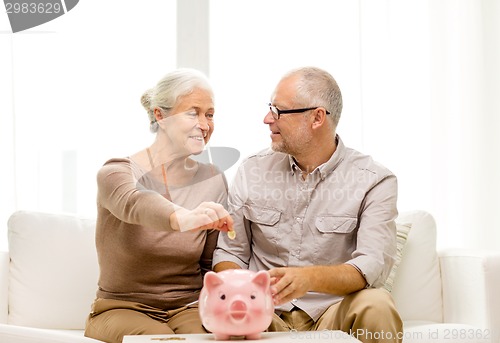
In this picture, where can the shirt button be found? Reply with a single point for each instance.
(294, 300)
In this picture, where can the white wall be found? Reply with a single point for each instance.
(419, 80)
(70, 99)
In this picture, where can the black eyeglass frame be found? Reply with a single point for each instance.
(276, 112)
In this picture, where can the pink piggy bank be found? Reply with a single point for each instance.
(236, 302)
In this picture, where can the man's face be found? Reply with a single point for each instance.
(291, 132)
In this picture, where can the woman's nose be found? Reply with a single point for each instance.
(203, 123)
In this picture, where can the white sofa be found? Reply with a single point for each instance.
(48, 281)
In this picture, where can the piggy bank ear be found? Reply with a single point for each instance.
(212, 280)
(262, 279)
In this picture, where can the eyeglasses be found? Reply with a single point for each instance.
(276, 112)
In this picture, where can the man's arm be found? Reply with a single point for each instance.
(377, 220)
(225, 265)
(289, 283)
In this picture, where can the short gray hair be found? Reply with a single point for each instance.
(170, 88)
(316, 87)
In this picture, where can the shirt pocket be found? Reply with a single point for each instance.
(330, 224)
(335, 239)
(262, 215)
(265, 226)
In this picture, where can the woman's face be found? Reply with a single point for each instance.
(191, 122)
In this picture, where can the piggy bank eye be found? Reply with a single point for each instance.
(223, 297)
(252, 296)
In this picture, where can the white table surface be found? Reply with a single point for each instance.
(283, 337)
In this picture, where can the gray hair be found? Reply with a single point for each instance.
(316, 87)
(169, 89)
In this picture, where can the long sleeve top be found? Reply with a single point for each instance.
(141, 258)
(343, 212)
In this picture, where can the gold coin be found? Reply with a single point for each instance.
(231, 234)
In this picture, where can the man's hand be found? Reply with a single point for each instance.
(289, 283)
(208, 215)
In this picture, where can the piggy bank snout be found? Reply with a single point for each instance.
(238, 306)
(238, 310)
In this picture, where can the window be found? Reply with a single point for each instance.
(70, 99)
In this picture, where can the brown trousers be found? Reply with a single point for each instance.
(368, 315)
(110, 320)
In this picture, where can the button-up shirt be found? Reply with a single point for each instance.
(342, 212)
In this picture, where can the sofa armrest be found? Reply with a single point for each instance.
(470, 281)
(4, 286)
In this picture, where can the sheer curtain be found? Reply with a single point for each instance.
(465, 108)
(419, 79)
(436, 91)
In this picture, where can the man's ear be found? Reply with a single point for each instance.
(318, 117)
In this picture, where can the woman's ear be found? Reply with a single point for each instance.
(158, 114)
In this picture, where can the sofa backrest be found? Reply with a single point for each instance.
(417, 283)
(53, 270)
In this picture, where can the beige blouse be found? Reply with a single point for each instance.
(141, 258)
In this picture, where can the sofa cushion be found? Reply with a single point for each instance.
(4, 285)
(53, 270)
(402, 236)
(418, 275)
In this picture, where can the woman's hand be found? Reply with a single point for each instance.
(208, 215)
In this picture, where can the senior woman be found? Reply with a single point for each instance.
(159, 215)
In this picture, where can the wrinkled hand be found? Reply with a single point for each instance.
(208, 215)
(288, 283)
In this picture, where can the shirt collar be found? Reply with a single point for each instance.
(327, 167)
